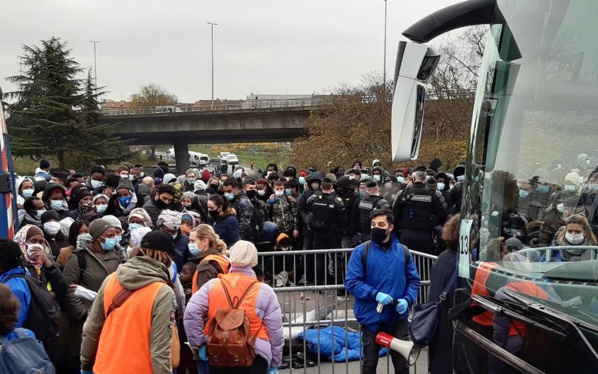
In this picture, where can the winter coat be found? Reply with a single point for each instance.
(283, 214)
(20, 289)
(182, 254)
(227, 227)
(387, 273)
(441, 347)
(98, 266)
(245, 214)
(117, 210)
(64, 212)
(137, 273)
(267, 309)
(207, 270)
(57, 242)
(51, 276)
(154, 212)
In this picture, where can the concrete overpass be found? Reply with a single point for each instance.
(264, 122)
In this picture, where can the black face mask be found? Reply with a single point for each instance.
(214, 214)
(214, 186)
(161, 204)
(251, 193)
(378, 235)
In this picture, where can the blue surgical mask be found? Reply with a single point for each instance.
(124, 200)
(401, 179)
(28, 192)
(288, 191)
(109, 244)
(134, 226)
(593, 186)
(570, 188)
(119, 238)
(523, 194)
(194, 249)
(229, 196)
(96, 184)
(301, 180)
(440, 186)
(101, 208)
(377, 178)
(56, 204)
(461, 178)
(363, 194)
(543, 189)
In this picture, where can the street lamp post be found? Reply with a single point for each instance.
(384, 72)
(95, 64)
(212, 24)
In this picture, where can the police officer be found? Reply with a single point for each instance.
(363, 207)
(345, 189)
(326, 217)
(417, 210)
(307, 234)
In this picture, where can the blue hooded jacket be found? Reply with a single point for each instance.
(19, 288)
(385, 273)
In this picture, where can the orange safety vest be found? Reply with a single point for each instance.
(236, 284)
(479, 288)
(527, 288)
(124, 345)
(220, 259)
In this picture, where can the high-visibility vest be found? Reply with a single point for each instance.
(124, 345)
(526, 288)
(220, 259)
(480, 288)
(236, 284)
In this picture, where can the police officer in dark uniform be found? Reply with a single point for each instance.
(417, 210)
(326, 217)
(363, 207)
(345, 189)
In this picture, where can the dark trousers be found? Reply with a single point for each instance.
(371, 350)
(421, 240)
(260, 366)
(325, 240)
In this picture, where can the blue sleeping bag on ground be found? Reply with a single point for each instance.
(336, 344)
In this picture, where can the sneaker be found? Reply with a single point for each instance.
(340, 299)
(302, 280)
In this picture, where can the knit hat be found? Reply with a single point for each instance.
(514, 242)
(574, 178)
(98, 227)
(159, 173)
(169, 218)
(137, 235)
(50, 215)
(243, 254)
(100, 196)
(115, 222)
(125, 183)
(158, 240)
(43, 164)
(206, 175)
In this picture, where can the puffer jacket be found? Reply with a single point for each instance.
(64, 212)
(137, 273)
(283, 214)
(97, 267)
(245, 214)
(227, 227)
(19, 288)
(267, 309)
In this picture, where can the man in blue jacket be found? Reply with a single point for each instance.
(387, 279)
(10, 264)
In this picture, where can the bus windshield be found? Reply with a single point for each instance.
(534, 146)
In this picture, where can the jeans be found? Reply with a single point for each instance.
(398, 329)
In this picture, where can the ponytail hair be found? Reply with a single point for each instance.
(205, 231)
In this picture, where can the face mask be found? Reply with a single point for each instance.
(190, 180)
(574, 238)
(229, 196)
(109, 244)
(523, 194)
(315, 186)
(131, 177)
(134, 226)
(592, 187)
(440, 186)
(118, 238)
(85, 237)
(101, 208)
(52, 228)
(251, 194)
(96, 184)
(287, 192)
(194, 249)
(214, 214)
(141, 175)
(561, 208)
(38, 214)
(363, 194)
(379, 235)
(543, 189)
(401, 179)
(124, 176)
(124, 200)
(261, 192)
(56, 204)
(161, 204)
(461, 178)
(301, 180)
(28, 192)
(570, 188)
(214, 186)
(377, 178)
(187, 205)
(31, 248)
(278, 193)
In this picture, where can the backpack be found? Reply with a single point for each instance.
(229, 341)
(43, 312)
(364, 258)
(23, 355)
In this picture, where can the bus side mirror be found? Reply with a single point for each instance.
(415, 65)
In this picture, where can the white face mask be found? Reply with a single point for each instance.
(574, 238)
(561, 208)
(279, 193)
(52, 227)
(261, 192)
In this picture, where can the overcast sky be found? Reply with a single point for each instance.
(264, 46)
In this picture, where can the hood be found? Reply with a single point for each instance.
(20, 181)
(280, 237)
(316, 176)
(144, 189)
(199, 185)
(140, 271)
(375, 161)
(142, 213)
(49, 187)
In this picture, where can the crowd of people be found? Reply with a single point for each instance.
(111, 246)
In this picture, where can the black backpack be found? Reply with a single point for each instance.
(43, 312)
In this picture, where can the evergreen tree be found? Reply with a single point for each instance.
(56, 114)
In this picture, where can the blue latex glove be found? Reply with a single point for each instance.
(203, 353)
(272, 371)
(383, 298)
(86, 372)
(402, 306)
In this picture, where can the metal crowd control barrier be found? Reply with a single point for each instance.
(307, 304)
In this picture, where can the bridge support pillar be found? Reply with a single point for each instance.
(181, 156)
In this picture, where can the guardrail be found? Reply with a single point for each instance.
(217, 107)
(310, 306)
